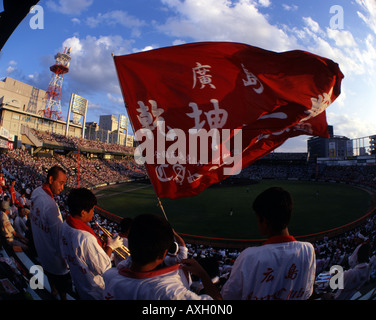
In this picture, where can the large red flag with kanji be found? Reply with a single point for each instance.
(204, 111)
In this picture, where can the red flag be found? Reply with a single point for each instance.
(250, 100)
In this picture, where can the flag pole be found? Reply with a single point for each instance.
(161, 206)
(130, 120)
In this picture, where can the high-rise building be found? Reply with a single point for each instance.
(108, 122)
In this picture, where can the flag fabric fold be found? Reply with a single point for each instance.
(245, 101)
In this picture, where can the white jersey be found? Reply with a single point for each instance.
(87, 261)
(46, 222)
(278, 270)
(163, 284)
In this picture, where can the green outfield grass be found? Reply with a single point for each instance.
(317, 207)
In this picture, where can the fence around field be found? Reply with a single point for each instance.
(242, 243)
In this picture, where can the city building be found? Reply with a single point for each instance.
(22, 106)
(372, 144)
(334, 147)
(108, 130)
(108, 122)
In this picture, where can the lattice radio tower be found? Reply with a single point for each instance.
(52, 109)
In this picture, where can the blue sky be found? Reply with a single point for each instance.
(96, 28)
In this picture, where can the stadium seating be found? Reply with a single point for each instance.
(92, 170)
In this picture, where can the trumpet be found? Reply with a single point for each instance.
(122, 251)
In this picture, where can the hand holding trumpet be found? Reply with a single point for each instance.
(114, 244)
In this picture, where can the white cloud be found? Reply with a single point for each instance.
(355, 57)
(342, 38)
(350, 126)
(178, 42)
(92, 68)
(10, 70)
(69, 6)
(296, 144)
(12, 67)
(341, 100)
(369, 17)
(116, 99)
(290, 8)
(312, 25)
(147, 48)
(346, 59)
(265, 3)
(75, 44)
(117, 17)
(76, 21)
(93, 106)
(222, 20)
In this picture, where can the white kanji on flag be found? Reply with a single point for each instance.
(148, 119)
(216, 118)
(319, 104)
(201, 73)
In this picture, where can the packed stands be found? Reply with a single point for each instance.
(90, 171)
(74, 143)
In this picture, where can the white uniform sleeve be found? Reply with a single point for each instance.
(95, 257)
(232, 289)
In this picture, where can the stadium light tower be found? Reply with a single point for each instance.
(52, 109)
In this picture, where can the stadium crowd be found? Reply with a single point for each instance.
(364, 175)
(76, 143)
(22, 173)
(29, 171)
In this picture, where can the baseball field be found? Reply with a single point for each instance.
(226, 211)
